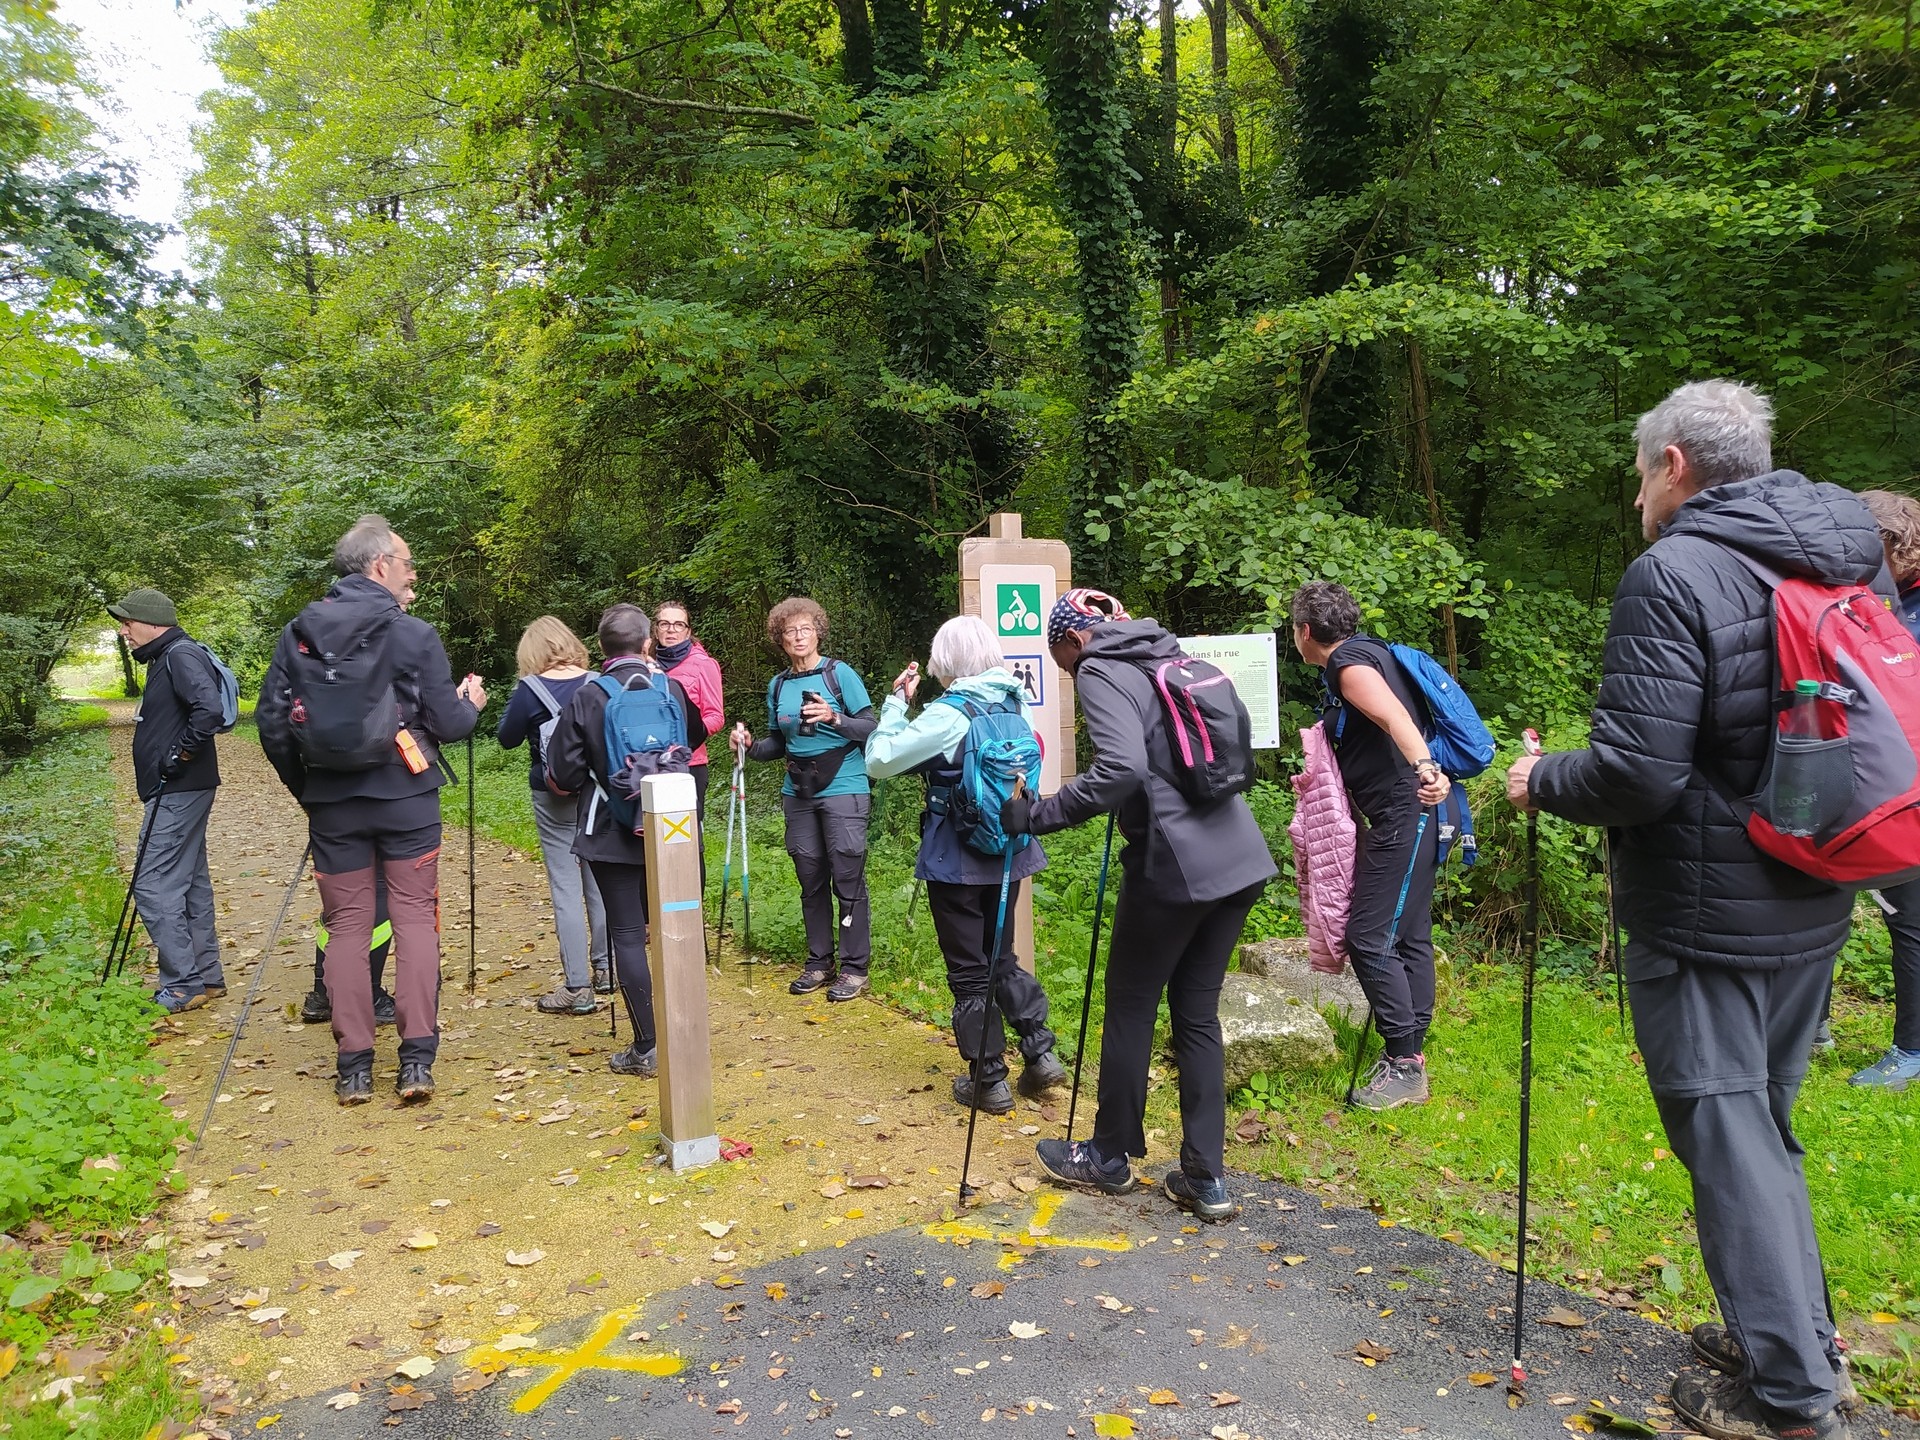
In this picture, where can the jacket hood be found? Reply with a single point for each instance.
(989, 686)
(1131, 640)
(1787, 522)
(352, 607)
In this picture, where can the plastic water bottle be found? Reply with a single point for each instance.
(1803, 716)
(1796, 797)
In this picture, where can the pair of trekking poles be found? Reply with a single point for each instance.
(736, 818)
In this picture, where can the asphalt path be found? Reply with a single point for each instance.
(1061, 1314)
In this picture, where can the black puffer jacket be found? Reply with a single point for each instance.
(1687, 692)
(180, 713)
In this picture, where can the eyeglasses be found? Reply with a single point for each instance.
(797, 632)
(405, 562)
(673, 624)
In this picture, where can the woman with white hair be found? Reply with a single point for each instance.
(963, 885)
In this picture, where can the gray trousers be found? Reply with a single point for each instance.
(827, 838)
(175, 893)
(1726, 1051)
(579, 919)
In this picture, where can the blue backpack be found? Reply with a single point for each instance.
(999, 751)
(646, 734)
(1460, 741)
(225, 681)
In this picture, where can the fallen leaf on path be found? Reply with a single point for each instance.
(1113, 1427)
(414, 1367)
(1222, 1398)
(1227, 1430)
(716, 1228)
(1109, 1302)
(450, 1345)
(1162, 1397)
(1293, 1259)
(1607, 1419)
(368, 1341)
(869, 1182)
(1025, 1184)
(248, 1299)
(1483, 1378)
(1562, 1316)
(472, 1382)
(514, 1341)
(833, 1190)
(421, 1240)
(1371, 1351)
(488, 1229)
(343, 1259)
(345, 1400)
(1025, 1330)
(404, 1400)
(266, 1313)
(186, 1279)
(525, 1257)
(776, 1290)
(988, 1289)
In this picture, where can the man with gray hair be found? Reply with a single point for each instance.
(1729, 953)
(352, 713)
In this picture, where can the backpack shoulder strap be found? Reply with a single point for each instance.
(607, 683)
(828, 667)
(543, 695)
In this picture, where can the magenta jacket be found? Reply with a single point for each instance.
(1324, 837)
(699, 676)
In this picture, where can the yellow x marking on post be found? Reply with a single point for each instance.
(1034, 1231)
(683, 828)
(589, 1354)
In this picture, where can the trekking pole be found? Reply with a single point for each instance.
(1517, 1381)
(1086, 996)
(253, 990)
(967, 1189)
(1393, 939)
(128, 920)
(914, 899)
(726, 867)
(746, 875)
(1613, 931)
(473, 960)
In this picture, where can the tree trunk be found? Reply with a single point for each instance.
(129, 679)
(1223, 93)
(1170, 118)
(1420, 399)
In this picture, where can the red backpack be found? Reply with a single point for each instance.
(1840, 796)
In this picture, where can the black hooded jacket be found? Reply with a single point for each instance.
(432, 710)
(180, 713)
(1687, 695)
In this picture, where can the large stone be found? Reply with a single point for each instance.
(1284, 963)
(1269, 1031)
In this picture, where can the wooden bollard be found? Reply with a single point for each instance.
(677, 955)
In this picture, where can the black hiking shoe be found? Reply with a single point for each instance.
(850, 986)
(317, 1008)
(1041, 1074)
(1715, 1345)
(354, 1088)
(635, 1061)
(1073, 1162)
(995, 1097)
(1204, 1198)
(415, 1083)
(1721, 1406)
(382, 1008)
(808, 981)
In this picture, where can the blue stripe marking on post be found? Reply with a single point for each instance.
(681, 905)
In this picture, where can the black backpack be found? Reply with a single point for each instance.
(1209, 731)
(345, 707)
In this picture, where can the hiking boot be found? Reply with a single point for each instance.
(415, 1083)
(809, 980)
(1714, 1344)
(1203, 1197)
(1893, 1071)
(1074, 1162)
(317, 1008)
(1721, 1406)
(850, 986)
(564, 1001)
(1823, 1038)
(382, 1008)
(216, 991)
(1394, 1082)
(176, 1002)
(635, 1061)
(355, 1087)
(1041, 1074)
(995, 1097)
(602, 980)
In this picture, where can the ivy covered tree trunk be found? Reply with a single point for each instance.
(1083, 71)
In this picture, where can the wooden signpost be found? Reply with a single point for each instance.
(677, 955)
(1012, 582)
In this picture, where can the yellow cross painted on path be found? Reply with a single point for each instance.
(1035, 1231)
(589, 1354)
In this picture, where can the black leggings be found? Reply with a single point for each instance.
(1393, 959)
(623, 890)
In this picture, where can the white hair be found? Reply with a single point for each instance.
(965, 645)
(1724, 428)
(369, 539)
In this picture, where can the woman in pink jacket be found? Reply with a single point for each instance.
(687, 660)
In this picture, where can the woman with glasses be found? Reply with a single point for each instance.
(818, 719)
(686, 660)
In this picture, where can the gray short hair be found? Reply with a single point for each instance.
(965, 645)
(1723, 427)
(369, 539)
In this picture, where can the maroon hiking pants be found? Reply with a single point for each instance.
(413, 903)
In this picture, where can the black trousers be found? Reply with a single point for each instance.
(1903, 929)
(1395, 965)
(827, 838)
(1726, 1051)
(623, 890)
(963, 918)
(701, 778)
(1183, 951)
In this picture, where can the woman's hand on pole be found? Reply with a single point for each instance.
(740, 739)
(907, 683)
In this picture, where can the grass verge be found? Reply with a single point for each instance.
(86, 1148)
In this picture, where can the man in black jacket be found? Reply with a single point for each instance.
(1730, 954)
(176, 772)
(355, 665)
(577, 765)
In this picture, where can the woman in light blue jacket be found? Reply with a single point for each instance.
(963, 886)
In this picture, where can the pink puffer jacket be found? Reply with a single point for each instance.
(1323, 836)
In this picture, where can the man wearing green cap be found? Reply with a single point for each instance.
(175, 773)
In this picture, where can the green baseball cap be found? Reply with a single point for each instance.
(149, 607)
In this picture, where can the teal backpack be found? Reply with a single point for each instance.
(1000, 751)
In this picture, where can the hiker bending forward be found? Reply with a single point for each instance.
(963, 885)
(1189, 876)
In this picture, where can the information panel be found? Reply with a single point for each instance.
(1016, 600)
(1252, 663)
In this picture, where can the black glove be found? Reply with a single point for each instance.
(174, 766)
(1016, 815)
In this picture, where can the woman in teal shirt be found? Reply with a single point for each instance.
(818, 718)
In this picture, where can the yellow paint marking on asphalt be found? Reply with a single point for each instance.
(589, 1354)
(1035, 1231)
